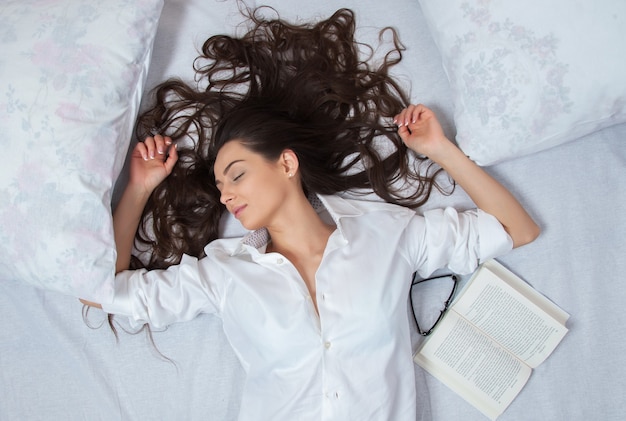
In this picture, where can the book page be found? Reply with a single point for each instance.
(472, 365)
(527, 291)
(509, 317)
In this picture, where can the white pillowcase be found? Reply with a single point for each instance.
(71, 76)
(529, 75)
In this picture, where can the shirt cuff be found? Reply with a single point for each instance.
(122, 304)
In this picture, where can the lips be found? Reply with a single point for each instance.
(237, 210)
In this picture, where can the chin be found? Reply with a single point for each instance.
(250, 226)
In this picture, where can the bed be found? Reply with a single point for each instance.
(533, 91)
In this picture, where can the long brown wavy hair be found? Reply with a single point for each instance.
(311, 87)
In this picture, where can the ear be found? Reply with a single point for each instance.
(289, 162)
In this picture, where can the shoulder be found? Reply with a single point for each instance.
(381, 206)
(348, 206)
(223, 246)
(372, 215)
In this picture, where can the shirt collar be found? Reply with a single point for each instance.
(337, 208)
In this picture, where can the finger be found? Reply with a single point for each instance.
(160, 144)
(141, 149)
(400, 119)
(150, 144)
(172, 157)
(408, 114)
(419, 112)
(397, 119)
(404, 133)
(416, 113)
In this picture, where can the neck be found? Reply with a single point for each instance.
(300, 231)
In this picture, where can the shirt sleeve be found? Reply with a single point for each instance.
(457, 240)
(163, 297)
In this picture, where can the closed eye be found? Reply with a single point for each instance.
(239, 176)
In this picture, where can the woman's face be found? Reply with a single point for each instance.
(252, 188)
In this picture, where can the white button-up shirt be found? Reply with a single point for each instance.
(353, 361)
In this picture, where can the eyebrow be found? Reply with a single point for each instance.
(228, 168)
(230, 165)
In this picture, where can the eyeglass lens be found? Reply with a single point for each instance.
(429, 298)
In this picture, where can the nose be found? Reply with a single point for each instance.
(225, 196)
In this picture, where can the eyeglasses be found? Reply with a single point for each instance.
(430, 294)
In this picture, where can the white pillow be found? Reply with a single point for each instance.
(529, 75)
(71, 75)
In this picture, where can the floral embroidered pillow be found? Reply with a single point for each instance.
(71, 76)
(527, 76)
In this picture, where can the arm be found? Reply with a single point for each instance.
(419, 129)
(149, 166)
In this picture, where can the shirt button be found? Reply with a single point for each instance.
(280, 260)
(327, 345)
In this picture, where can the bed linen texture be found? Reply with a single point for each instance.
(53, 366)
(71, 81)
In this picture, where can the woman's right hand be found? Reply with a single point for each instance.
(151, 162)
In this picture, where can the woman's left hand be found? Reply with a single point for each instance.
(420, 130)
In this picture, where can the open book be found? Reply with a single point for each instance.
(493, 335)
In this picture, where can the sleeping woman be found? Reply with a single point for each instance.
(313, 300)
